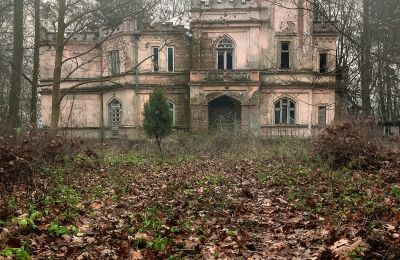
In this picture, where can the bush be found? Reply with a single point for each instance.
(354, 145)
(157, 117)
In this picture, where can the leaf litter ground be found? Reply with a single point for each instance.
(281, 203)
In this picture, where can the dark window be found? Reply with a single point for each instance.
(221, 59)
(323, 62)
(114, 62)
(171, 59)
(285, 55)
(229, 60)
(322, 116)
(155, 59)
(285, 112)
(115, 113)
(225, 51)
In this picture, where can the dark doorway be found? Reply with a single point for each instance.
(224, 113)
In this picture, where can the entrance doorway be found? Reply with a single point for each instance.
(224, 114)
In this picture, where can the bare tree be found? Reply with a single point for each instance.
(35, 72)
(13, 119)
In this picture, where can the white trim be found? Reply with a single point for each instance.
(173, 111)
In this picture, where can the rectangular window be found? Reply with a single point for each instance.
(221, 59)
(114, 63)
(292, 113)
(229, 60)
(323, 62)
(285, 55)
(278, 113)
(155, 58)
(322, 116)
(171, 59)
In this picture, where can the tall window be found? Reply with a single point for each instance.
(155, 58)
(114, 63)
(172, 110)
(115, 113)
(322, 115)
(285, 112)
(323, 62)
(285, 55)
(224, 51)
(170, 59)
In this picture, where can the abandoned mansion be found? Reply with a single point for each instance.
(266, 67)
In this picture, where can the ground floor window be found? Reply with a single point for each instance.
(322, 115)
(285, 112)
(172, 110)
(115, 113)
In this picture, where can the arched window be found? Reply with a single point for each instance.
(224, 52)
(115, 113)
(285, 112)
(172, 110)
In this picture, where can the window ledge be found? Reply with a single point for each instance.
(285, 126)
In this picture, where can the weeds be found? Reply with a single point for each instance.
(178, 205)
(16, 253)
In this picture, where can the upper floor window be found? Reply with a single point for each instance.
(323, 62)
(224, 51)
(115, 113)
(171, 59)
(114, 63)
(172, 110)
(155, 58)
(285, 112)
(285, 55)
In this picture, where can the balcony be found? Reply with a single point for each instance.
(224, 76)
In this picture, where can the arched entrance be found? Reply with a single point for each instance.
(224, 113)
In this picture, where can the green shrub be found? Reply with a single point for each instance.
(157, 117)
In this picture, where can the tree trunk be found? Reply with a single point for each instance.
(366, 65)
(35, 72)
(13, 119)
(56, 99)
(158, 139)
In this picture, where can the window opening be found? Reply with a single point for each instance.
(285, 55)
(115, 113)
(171, 59)
(114, 63)
(322, 115)
(323, 62)
(225, 52)
(155, 59)
(285, 112)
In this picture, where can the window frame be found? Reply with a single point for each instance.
(323, 70)
(112, 113)
(288, 52)
(225, 50)
(153, 61)
(173, 58)
(291, 106)
(114, 62)
(173, 110)
(319, 117)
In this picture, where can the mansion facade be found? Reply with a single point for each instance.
(266, 67)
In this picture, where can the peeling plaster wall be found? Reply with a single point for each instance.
(256, 27)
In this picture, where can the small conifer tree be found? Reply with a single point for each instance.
(157, 117)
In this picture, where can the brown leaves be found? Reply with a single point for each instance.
(211, 208)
